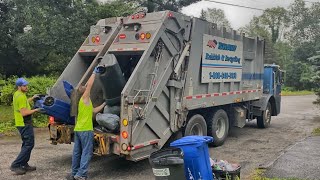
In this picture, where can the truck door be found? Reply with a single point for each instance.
(277, 87)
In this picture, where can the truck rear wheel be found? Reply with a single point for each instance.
(264, 120)
(218, 127)
(196, 126)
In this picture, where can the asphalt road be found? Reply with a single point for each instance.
(249, 146)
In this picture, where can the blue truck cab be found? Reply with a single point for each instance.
(273, 79)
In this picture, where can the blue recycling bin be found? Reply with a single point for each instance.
(60, 110)
(196, 156)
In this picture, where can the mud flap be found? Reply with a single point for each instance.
(62, 134)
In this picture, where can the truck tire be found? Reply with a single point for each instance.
(196, 126)
(264, 120)
(218, 126)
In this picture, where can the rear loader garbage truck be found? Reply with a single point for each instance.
(162, 74)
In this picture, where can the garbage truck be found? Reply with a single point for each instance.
(168, 74)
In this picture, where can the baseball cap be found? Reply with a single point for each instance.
(21, 82)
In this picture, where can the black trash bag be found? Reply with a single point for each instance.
(109, 121)
(112, 110)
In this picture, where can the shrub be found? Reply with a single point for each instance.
(37, 85)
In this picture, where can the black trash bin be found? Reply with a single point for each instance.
(167, 164)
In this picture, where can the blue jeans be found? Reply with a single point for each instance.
(82, 153)
(27, 136)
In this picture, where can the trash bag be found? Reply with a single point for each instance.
(112, 110)
(109, 121)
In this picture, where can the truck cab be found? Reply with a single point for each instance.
(272, 80)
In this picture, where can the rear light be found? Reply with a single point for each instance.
(129, 148)
(137, 16)
(51, 120)
(148, 35)
(122, 36)
(142, 36)
(124, 147)
(125, 122)
(97, 39)
(170, 14)
(124, 134)
(137, 36)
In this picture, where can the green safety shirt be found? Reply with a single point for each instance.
(20, 101)
(84, 118)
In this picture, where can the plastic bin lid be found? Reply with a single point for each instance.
(189, 140)
(68, 88)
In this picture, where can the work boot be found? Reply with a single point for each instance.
(18, 170)
(70, 177)
(80, 178)
(29, 168)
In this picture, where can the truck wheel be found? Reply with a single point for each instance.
(264, 120)
(196, 126)
(218, 127)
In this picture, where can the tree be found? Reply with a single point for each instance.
(203, 15)
(276, 20)
(216, 16)
(256, 28)
(58, 27)
(10, 60)
(160, 5)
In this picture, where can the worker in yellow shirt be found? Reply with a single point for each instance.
(23, 122)
(83, 132)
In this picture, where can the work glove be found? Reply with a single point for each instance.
(36, 97)
(96, 70)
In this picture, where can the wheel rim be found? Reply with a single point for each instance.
(267, 116)
(196, 129)
(221, 128)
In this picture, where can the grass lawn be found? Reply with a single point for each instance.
(6, 119)
(296, 93)
(7, 125)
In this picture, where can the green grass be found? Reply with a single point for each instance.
(6, 119)
(316, 132)
(258, 174)
(296, 93)
(7, 125)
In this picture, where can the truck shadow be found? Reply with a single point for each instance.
(114, 167)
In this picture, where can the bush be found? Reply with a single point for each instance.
(37, 85)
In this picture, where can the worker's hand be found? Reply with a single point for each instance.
(36, 96)
(41, 110)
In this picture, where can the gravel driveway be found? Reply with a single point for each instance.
(248, 146)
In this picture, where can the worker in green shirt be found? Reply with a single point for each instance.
(83, 132)
(23, 122)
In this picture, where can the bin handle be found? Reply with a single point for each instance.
(208, 139)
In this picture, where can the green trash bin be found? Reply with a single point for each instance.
(167, 164)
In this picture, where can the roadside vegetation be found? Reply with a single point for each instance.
(316, 132)
(258, 174)
(296, 93)
(38, 85)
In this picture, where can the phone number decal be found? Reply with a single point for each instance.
(222, 75)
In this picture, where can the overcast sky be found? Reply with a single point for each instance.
(237, 16)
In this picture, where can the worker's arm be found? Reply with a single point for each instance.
(86, 94)
(99, 108)
(27, 112)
